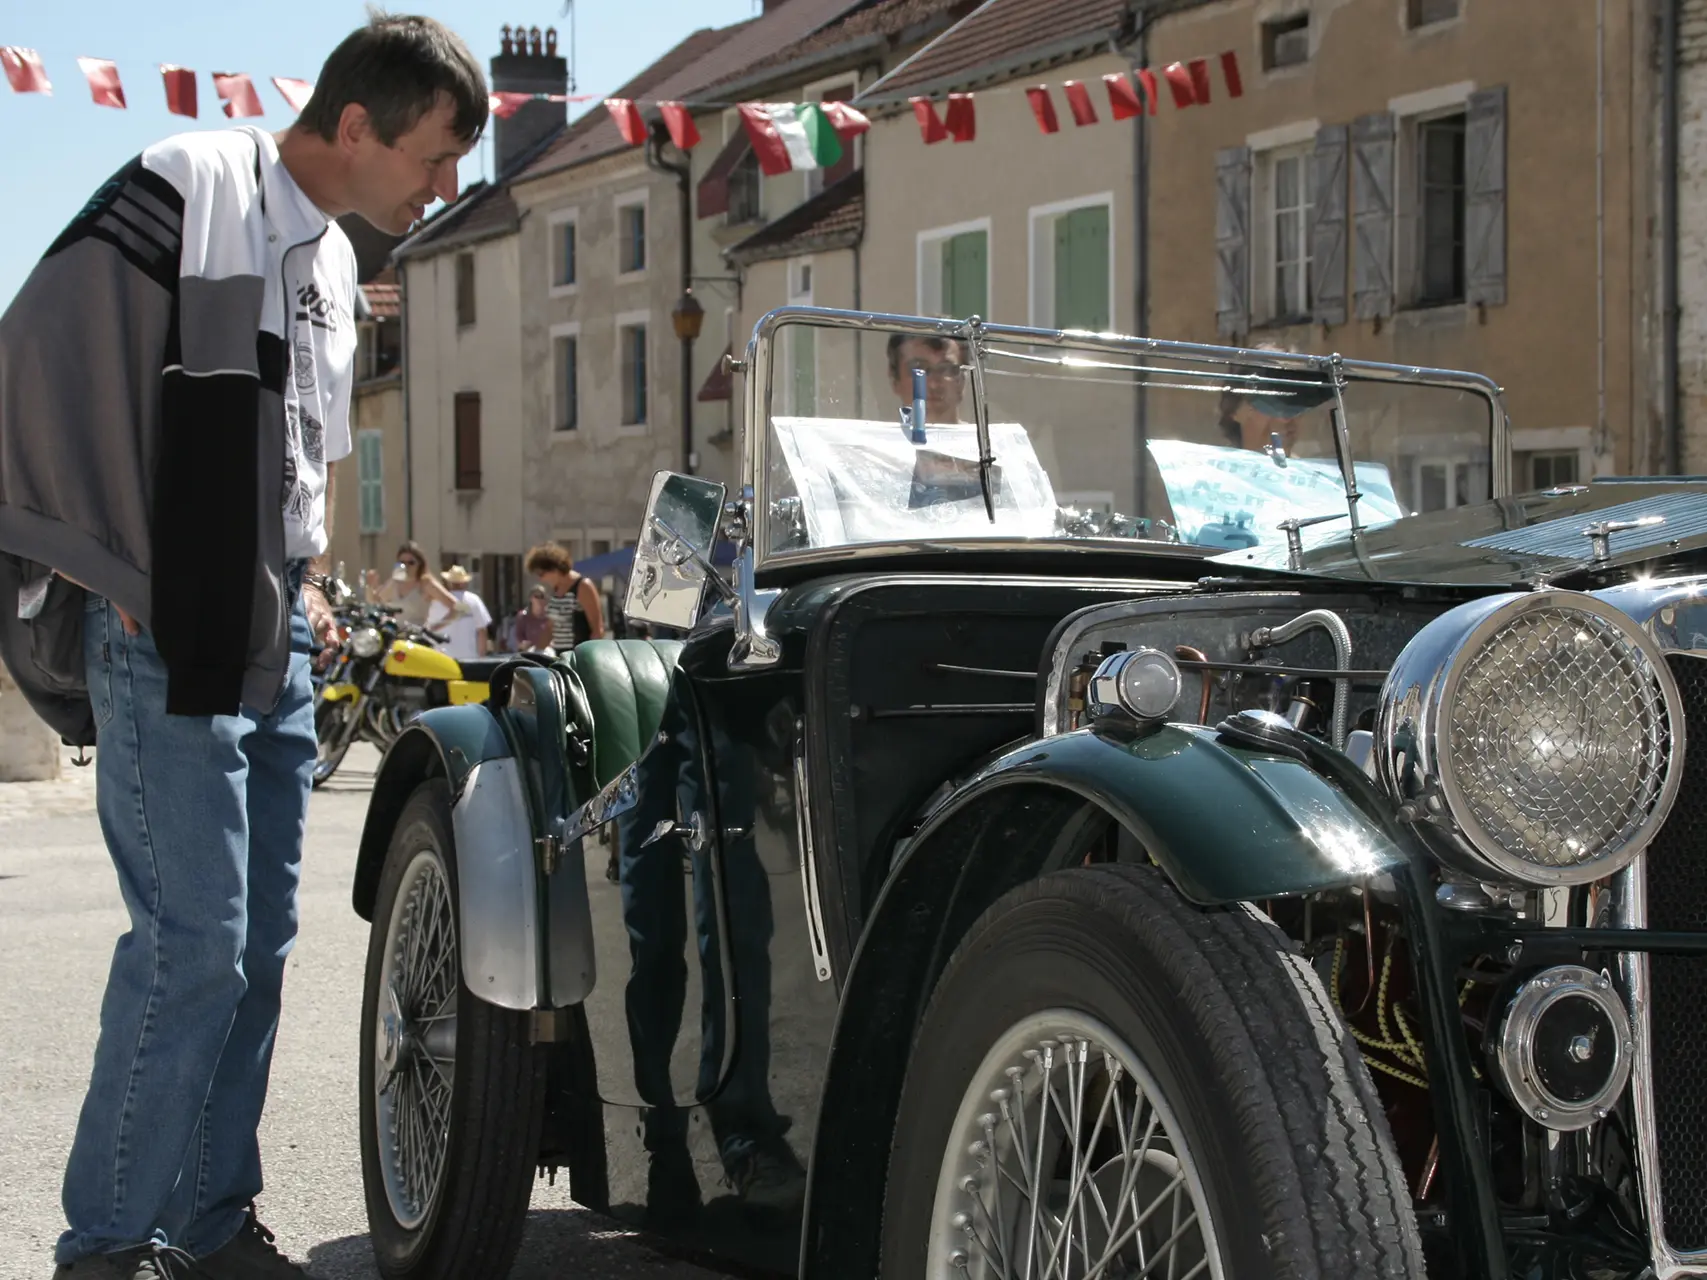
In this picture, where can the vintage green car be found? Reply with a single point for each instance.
(1132, 809)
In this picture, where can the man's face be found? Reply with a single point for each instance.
(392, 186)
(945, 382)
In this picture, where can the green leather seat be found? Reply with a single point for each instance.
(626, 683)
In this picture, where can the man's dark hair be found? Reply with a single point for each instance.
(937, 345)
(398, 68)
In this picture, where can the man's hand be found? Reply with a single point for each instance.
(322, 624)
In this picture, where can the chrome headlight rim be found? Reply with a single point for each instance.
(1432, 794)
(366, 642)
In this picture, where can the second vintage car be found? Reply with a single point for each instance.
(1132, 810)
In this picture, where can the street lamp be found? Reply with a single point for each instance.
(688, 318)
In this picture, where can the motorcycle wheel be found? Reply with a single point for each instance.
(335, 733)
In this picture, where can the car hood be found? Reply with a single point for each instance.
(1509, 541)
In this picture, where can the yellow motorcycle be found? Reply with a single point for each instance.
(385, 673)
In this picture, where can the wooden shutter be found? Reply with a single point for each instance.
(1081, 269)
(1327, 225)
(468, 440)
(965, 275)
(1484, 198)
(1232, 240)
(464, 289)
(370, 472)
(1372, 174)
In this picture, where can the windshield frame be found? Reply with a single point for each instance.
(758, 393)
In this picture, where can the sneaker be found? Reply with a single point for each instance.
(145, 1262)
(769, 1179)
(249, 1255)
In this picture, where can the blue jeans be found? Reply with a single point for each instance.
(203, 817)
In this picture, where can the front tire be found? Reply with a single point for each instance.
(452, 1092)
(1105, 1072)
(336, 725)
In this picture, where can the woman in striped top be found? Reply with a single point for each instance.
(573, 604)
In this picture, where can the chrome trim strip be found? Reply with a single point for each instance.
(808, 863)
(619, 795)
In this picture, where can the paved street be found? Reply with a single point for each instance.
(59, 916)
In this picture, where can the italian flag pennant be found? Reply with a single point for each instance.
(794, 136)
(24, 70)
(237, 91)
(180, 89)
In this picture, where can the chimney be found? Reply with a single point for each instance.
(527, 63)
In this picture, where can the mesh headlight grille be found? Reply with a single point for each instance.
(1559, 738)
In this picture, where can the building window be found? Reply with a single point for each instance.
(745, 191)
(802, 346)
(1440, 210)
(566, 359)
(954, 272)
(633, 344)
(370, 479)
(1286, 42)
(464, 290)
(468, 440)
(1284, 266)
(1439, 483)
(1425, 13)
(381, 350)
(563, 255)
(631, 226)
(1072, 279)
(1546, 470)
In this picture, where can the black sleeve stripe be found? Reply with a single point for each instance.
(153, 193)
(164, 245)
(163, 272)
(270, 360)
(169, 235)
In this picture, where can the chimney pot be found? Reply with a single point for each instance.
(551, 42)
(506, 48)
(535, 44)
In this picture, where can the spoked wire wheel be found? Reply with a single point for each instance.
(1066, 1163)
(415, 1040)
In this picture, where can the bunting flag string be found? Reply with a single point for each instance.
(784, 136)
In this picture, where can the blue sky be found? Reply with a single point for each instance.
(57, 150)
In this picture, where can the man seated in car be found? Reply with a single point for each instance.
(944, 363)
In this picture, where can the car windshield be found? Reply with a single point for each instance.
(1142, 445)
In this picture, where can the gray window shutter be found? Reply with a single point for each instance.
(1233, 240)
(1327, 230)
(1484, 198)
(1372, 176)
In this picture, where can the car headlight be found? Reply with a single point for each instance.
(1535, 738)
(366, 642)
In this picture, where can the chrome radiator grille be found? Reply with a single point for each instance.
(1677, 899)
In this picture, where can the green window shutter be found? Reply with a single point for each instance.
(1081, 269)
(370, 470)
(965, 275)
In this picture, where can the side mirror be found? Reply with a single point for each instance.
(672, 560)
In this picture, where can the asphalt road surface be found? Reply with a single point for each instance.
(60, 914)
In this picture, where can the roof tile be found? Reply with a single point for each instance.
(1000, 34)
(886, 18)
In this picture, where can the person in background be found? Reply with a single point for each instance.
(532, 628)
(577, 613)
(466, 630)
(411, 587)
(175, 381)
(942, 359)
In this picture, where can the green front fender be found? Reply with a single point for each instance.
(1226, 823)
(445, 742)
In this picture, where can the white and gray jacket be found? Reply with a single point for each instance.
(142, 424)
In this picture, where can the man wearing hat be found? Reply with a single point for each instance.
(466, 630)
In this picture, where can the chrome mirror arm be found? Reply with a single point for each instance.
(680, 544)
(981, 412)
(752, 648)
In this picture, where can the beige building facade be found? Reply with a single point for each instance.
(371, 488)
